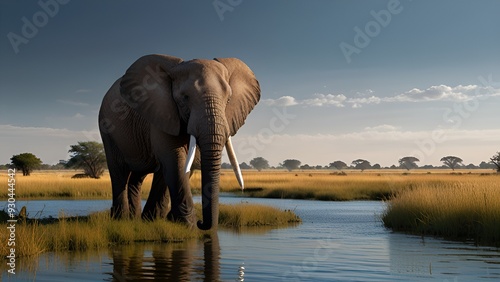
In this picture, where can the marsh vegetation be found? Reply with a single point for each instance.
(98, 231)
(463, 210)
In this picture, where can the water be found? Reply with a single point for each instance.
(337, 241)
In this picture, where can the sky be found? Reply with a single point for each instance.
(340, 80)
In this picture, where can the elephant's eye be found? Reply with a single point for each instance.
(185, 97)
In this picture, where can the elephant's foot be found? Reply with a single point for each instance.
(119, 212)
(151, 215)
(189, 220)
(155, 212)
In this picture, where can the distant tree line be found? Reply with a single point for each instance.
(90, 157)
(407, 163)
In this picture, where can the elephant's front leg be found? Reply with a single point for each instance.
(171, 153)
(180, 193)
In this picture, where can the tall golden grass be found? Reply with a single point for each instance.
(318, 185)
(354, 185)
(468, 209)
(98, 230)
(58, 184)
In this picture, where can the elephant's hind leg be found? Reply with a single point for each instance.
(158, 203)
(120, 206)
(119, 173)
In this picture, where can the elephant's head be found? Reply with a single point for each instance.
(207, 99)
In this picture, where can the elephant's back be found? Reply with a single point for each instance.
(125, 130)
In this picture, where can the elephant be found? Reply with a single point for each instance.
(165, 116)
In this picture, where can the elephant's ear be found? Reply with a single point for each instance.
(147, 88)
(245, 89)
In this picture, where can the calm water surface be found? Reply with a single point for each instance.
(337, 241)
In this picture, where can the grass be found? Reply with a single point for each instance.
(97, 231)
(318, 185)
(59, 184)
(465, 210)
(332, 186)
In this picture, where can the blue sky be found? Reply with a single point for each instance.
(417, 78)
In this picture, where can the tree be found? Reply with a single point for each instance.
(487, 165)
(226, 166)
(408, 162)
(88, 156)
(338, 165)
(26, 162)
(471, 166)
(306, 166)
(291, 164)
(451, 161)
(244, 165)
(259, 163)
(496, 160)
(361, 164)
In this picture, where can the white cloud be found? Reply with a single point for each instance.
(357, 102)
(436, 93)
(284, 101)
(383, 127)
(320, 100)
(35, 132)
(458, 93)
(365, 93)
(72, 103)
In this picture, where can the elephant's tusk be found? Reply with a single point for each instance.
(191, 153)
(234, 162)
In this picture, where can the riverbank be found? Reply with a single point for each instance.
(98, 231)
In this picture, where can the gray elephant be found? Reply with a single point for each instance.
(165, 115)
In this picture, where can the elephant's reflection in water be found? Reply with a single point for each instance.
(168, 261)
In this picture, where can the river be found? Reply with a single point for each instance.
(337, 241)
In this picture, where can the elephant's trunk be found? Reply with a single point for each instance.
(212, 138)
(210, 178)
